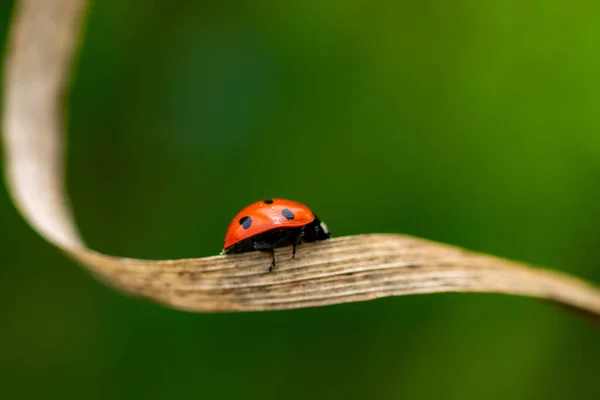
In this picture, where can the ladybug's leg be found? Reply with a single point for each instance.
(265, 248)
(272, 261)
(298, 239)
(273, 255)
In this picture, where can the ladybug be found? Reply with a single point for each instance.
(272, 223)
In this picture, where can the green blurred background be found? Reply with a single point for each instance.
(468, 123)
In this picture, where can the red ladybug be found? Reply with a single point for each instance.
(272, 223)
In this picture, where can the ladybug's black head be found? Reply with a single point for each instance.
(316, 230)
(323, 230)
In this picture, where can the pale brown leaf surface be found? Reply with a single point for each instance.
(355, 268)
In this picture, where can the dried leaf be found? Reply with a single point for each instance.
(356, 268)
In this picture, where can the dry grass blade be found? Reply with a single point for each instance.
(341, 270)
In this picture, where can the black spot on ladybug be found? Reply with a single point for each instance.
(245, 222)
(268, 201)
(288, 214)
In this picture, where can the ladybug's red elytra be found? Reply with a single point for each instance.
(272, 223)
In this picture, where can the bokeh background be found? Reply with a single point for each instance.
(470, 123)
